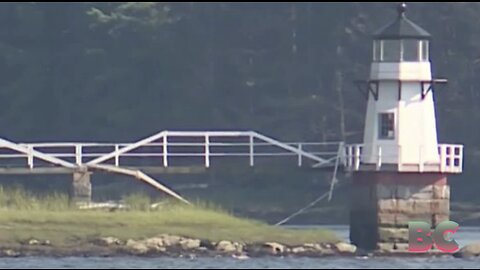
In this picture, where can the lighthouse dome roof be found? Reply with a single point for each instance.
(401, 28)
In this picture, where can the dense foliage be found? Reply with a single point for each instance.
(121, 71)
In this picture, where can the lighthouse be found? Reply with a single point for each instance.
(399, 172)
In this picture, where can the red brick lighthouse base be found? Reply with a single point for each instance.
(382, 204)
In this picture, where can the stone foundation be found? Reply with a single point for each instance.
(81, 190)
(382, 204)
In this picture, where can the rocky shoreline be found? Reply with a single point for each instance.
(166, 245)
(174, 246)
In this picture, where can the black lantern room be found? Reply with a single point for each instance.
(401, 41)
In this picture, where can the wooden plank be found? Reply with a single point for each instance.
(28, 171)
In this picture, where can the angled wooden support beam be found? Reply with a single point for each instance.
(139, 175)
(36, 154)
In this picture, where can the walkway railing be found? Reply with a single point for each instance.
(165, 147)
(159, 150)
(450, 157)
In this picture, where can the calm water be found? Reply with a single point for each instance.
(464, 236)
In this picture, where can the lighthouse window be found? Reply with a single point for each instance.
(391, 50)
(377, 50)
(397, 50)
(423, 50)
(410, 50)
(386, 126)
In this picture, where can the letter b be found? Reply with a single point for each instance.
(419, 236)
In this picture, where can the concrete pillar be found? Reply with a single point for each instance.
(81, 191)
(382, 204)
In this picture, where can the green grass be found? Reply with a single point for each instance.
(23, 216)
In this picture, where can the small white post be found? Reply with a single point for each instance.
(379, 158)
(78, 154)
(399, 158)
(420, 159)
(442, 158)
(117, 156)
(207, 151)
(357, 157)
(460, 157)
(451, 156)
(251, 150)
(30, 156)
(165, 151)
(350, 156)
(299, 155)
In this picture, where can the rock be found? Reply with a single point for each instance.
(207, 245)
(345, 248)
(242, 256)
(228, 247)
(315, 249)
(36, 242)
(273, 248)
(155, 243)
(471, 250)
(107, 241)
(136, 247)
(239, 247)
(299, 250)
(11, 253)
(188, 244)
(170, 240)
(33, 242)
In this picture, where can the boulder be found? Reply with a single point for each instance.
(273, 248)
(107, 241)
(136, 247)
(471, 250)
(155, 243)
(33, 242)
(188, 244)
(228, 247)
(170, 240)
(10, 253)
(313, 247)
(299, 250)
(241, 256)
(318, 249)
(343, 247)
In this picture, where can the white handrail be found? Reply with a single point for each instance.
(207, 151)
(36, 154)
(250, 150)
(450, 159)
(379, 158)
(174, 144)
(288, 147)
(129, 148)
(165, 134)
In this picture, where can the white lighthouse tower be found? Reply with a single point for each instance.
(400, 169)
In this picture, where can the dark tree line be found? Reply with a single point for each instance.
(120, 71)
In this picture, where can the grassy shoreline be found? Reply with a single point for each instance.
(52, 218)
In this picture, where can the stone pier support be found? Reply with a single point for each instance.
(81, 190)
(382, 204)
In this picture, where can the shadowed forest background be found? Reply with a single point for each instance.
(123, 71)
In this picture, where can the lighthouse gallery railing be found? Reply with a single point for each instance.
(450, 156)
